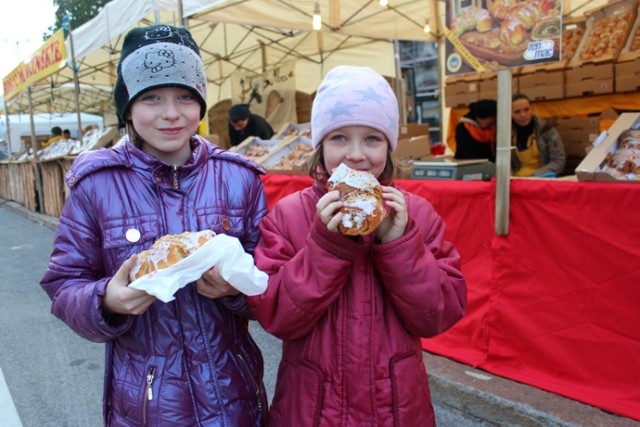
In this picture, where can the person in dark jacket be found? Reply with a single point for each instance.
(539, 150)
(476, 132)
(351, 309)
(243, 124)
(190, 361)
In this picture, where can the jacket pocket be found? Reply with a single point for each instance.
(134, 232)
(135, 390)
(299, 396)
(228, 221)
(125, 237)
(410, 391)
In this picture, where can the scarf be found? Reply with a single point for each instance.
(481, 135)
(522, 135)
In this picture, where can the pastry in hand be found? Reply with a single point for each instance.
(361, 194)
(168, 250)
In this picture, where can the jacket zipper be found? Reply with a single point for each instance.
(150, 376)
(255, 383)
(175, 178)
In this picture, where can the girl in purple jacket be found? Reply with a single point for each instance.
(191, 361)
(351, 310)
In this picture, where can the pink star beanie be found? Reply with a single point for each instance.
(354, 96)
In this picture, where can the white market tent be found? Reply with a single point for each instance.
(246, 36)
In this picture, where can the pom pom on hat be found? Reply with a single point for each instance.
(355, 96)
(155, 57)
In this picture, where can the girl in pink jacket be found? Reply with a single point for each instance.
(351, 310)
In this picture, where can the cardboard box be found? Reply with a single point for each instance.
(542, 85)
(590, 169)
(607, 16)
(589, 79)
(292, 130)
(257, 149)
(413, 129)
(608, 118)
(489, 88)
(460, 93)
(631, 49)
(413, 148)
(291, 157)
(627, 76)
(578, 134)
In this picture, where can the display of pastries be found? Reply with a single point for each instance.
(360, 191)
(296, 158)
(624, 162)
(608, 33)
(571, 37)
(168, 250)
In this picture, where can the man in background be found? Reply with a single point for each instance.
(56, 135)
(243, 124)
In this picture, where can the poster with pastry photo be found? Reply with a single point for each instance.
(486, 35)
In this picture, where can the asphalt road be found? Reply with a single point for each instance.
(53, 377)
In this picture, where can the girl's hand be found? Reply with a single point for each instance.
(394, 225)
(119, 298)
(328, 210)
(212, 285)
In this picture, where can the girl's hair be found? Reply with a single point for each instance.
(319, 172)
(134, 136)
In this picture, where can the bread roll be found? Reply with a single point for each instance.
(362, 197)
(168, 250)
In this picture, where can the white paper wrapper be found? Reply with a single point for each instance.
(223, 252)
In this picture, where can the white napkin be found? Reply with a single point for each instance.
(223, 252)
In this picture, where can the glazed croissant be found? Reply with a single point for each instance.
(519, 20)
(362, 197)
(472, 18)
(168, 250)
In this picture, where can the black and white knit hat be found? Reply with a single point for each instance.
(155, 57)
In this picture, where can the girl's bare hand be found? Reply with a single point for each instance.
(395, 224)
(212, 285)
(119, 298)
(328, 209)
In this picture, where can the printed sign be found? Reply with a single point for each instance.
(486, 35)
(50, 58)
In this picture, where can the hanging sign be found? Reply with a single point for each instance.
(486, 35)
(48, 59)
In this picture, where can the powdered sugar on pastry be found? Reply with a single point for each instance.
(353, 178)
(168, 250)
(361, 195)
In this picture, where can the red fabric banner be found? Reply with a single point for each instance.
(554, 304)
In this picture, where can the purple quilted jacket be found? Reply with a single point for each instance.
(189, 362)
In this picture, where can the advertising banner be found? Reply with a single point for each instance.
(48, 59)
(486, 35)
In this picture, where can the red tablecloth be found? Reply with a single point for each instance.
(555, 303)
